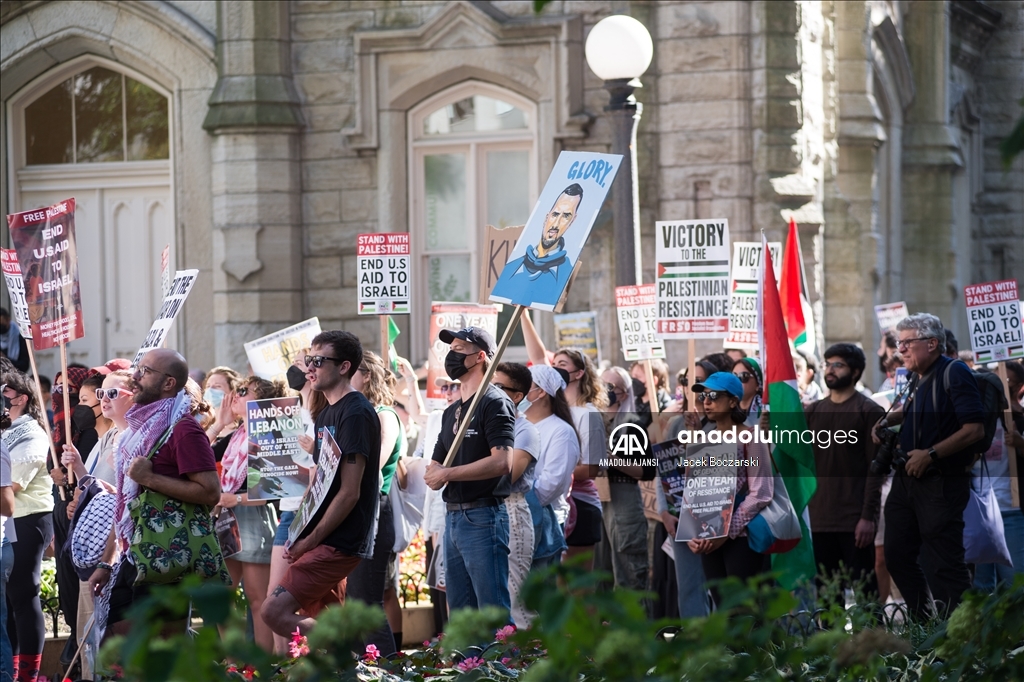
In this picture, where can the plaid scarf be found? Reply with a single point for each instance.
(235, 463)
(146, 423)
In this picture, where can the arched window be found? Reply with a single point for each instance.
(473, 163)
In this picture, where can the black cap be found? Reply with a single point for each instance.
(481, 338)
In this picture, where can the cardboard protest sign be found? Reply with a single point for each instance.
(16, 290)
(382, 266)
(638, 318)
(498, 245)
(452, 316)
(708, 492)
(271, 355)
(746, 262)
(579, 331)
(323, 476)
(539, 267)
(45, 241)
(173, 301)
(278, 467)
(692, 278)
(994, 318)
(890, 314)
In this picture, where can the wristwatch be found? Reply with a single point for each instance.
(934, 455)
(238, 499)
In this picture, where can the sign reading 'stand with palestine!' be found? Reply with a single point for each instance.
(383, 263)
(638, 317)
(993, 316)
(693, 278)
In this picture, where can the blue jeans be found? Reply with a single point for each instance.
(693, 591)
(987, 576)
(6, 653)
(476, 558)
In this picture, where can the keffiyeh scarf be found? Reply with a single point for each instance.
(235, 464)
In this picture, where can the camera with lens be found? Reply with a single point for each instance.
(889, 453)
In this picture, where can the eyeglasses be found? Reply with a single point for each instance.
(363, 369)
(745, 376)
(509, 389)
(242, 391)
(111, 393)
(705, 396)
(141, 370)
(318, 360)
(903, 344)
(835, 365)
(616, 389)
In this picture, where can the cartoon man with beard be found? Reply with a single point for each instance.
(542, 274)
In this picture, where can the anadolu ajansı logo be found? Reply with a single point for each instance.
(628, 440)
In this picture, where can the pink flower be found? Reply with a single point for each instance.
(504, 633)
(470, 663)
(505, 660)
(372, 654)
(248, 672)
(298, 646)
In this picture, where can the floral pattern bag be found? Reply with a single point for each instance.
(172, 538)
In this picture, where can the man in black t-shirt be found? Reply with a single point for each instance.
(341, 531)
(476, 525)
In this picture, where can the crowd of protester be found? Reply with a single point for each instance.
(525, 489)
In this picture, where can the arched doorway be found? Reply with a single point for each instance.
(96, 131)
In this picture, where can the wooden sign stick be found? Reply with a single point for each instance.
(67, 404)
(384, 345)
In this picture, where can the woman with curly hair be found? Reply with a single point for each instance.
(220, 383)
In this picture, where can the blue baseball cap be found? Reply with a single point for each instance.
(721, 381)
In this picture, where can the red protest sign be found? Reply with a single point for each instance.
(45, 241)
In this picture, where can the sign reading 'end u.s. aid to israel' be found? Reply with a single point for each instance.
(692, 278)
(382, 266)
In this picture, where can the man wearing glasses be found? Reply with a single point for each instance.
(924, 513)
(844, 511)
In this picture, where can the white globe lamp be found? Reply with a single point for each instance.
(619, 47)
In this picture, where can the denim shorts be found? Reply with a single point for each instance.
(284, 522)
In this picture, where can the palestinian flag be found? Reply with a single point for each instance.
(393, 332)
(796, 307)
(795, 461)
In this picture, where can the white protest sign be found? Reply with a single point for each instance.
(638, 318)
(993, 316)
(270, 355)
(692, 278)
(16, 290)
(383, 261)
(323, 476)
(746, 268)
(173, 301)
(890, 314)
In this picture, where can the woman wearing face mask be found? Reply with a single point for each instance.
(256, 519)
(748, 371)
(372, 577)
(731, 556)
(26, 441)
(220, 383)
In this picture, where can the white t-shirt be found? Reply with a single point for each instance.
(100, 462)
(527, 439)
(559, 454)
(590, 426)
(5, 482)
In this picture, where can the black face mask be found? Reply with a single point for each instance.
(455, 364)
(83, 418)
(296, 378)
(613, 397)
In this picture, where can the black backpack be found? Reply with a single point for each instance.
(993, 403)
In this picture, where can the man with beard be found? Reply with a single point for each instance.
(541, 274)
(844, 511)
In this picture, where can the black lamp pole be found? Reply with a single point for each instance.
(624, 112)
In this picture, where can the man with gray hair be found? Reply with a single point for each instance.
(942, 419)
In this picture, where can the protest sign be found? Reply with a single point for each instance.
(16, 290)
(452, 316)
(323, 476)
(382, 266)
(579, 331)
(498, 245)
(271, 355)
(173, 302)
(539, 267)
(890, 314)
(45, 241)
(638, 317)
(746, 269)
(278, 467)
(708, 492)
(692, 278)
(994, 318)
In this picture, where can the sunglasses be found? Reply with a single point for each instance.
(448, 388)
(512, 389)
(745, 376)
(242, 391)
(111, 393)
(705, 396)
(318, 360)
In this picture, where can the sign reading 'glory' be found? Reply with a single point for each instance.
(383, 271)
(693, 278)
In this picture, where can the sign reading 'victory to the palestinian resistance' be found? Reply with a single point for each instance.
(543, 260)
(173, 302)
(45, 241)
(746, 269)
(993, 315)
(693, 278)
(16, 290)
(638, 322)
(383, 261)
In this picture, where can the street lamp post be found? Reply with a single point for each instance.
(619, 50)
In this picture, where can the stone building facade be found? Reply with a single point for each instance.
(292, 126)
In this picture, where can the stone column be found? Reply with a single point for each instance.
(254, 116)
